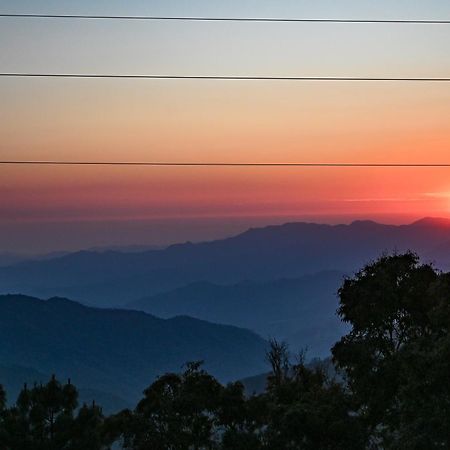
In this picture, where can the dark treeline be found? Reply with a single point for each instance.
(392, 390)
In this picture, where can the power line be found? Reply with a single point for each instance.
(217, 164)
(221, 77)
(226, 19)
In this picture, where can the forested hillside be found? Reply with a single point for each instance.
(117, 351)
(390, 389)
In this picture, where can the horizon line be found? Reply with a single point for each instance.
(217, 164)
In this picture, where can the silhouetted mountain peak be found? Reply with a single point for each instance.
(258, 254)
(432, 222)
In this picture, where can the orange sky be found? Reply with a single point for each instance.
(234, 122)
(213, 121)
(225, 121)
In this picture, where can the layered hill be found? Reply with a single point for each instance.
(300, 311)
(260, 254)
(116, 351)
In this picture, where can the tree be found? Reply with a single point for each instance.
(307, 410)
(278, 358)
(397, 354)
(45, 417)
(2, 399)
(394, 393)
(87, 431)
(2, 415)
(41, 418)
(241, 420)
(177, 412)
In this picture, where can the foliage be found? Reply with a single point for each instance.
(45, 418)
(307, 410)
(392, 392)
(397, 355)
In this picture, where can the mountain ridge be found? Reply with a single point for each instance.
(285, 309)
(267, 253)
(118, 351)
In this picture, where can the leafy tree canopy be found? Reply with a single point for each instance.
(397, 354)
(391, 389)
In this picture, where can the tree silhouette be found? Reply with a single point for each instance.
(2, 399)
(307, 410)
(177, 412)
(241, 419)
(45, 417)
(2, 414)
(392, 389)
(87, 431)
(397, 354)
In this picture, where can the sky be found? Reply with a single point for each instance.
(67, 208)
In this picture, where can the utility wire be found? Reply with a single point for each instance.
(208, 77)
(221, 77)
(224, 19)
(216, 164)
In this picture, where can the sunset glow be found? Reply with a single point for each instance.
(192, 121)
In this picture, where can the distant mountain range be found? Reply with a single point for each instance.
(116, 353)
(11, 258)
(110, 278)
(279, 281)
(300, 311)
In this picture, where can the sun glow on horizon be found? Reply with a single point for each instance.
(211, 121)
